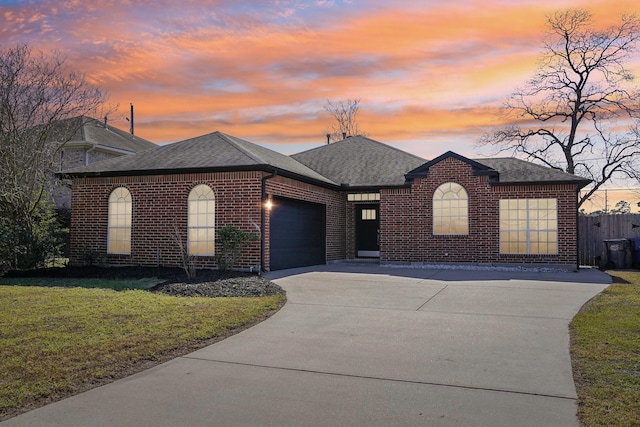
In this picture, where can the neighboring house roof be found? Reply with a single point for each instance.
(90, 132)
(214, 151)
(359, 161)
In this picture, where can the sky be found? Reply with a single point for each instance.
(431, 75)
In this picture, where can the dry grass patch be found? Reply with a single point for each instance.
(59, 341)
(605, 351)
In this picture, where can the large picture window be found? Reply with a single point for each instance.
(529, 226)
(201, 221)
(119, 222)
(450, 209)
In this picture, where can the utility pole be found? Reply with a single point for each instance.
(131, 130)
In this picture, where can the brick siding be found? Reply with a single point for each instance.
(160, 207)
(407, 220)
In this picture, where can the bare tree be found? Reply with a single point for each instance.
(579, 113)
(38, 92)
(345, 121)
(188, 261)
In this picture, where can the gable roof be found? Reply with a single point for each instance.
(212, 152)
(478, 168)
(505, 170)
(517, 171)
(359, 161)
(92, 132)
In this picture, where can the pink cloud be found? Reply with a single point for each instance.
(255, 69)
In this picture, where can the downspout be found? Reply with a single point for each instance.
(263, 213)
(86, 154)
(577, 231)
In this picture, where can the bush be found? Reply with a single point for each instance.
(27, 243)
(232, 240)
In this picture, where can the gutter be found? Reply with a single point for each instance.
(263, 213)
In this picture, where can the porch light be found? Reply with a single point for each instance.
(268, 204)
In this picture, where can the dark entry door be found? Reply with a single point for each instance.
(368, 231)
(297, 234)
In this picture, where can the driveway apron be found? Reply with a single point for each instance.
(363, 345)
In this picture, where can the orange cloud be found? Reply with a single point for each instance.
(264, 70)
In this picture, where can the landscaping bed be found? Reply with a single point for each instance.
(171, 281)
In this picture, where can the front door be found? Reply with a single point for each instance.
(368, 231)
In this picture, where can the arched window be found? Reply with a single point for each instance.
(201, 221)
(450, 209)
(119, 222)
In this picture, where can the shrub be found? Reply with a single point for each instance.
(27, 243)
(232, 240)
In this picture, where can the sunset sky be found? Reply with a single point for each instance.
(430, 74)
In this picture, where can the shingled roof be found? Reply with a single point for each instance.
(355, 162)
(89, 131)
(516, 171)
(359, 161)
(505, 170)
(212, 152)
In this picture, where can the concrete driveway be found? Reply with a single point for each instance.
(360, 345)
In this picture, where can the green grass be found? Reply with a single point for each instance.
(55, 341)
(605, 350)
(116, 284)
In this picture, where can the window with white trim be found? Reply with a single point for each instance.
(119, 222)
(201, 221)
(529, 226)
(450, 209)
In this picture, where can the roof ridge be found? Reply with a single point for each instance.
(390, 146)
(83, 136)
(231, 140)
(367, 139)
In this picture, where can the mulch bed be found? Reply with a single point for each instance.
(210, 283)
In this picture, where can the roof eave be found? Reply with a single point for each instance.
(372, 187)
(177, 171)
(580, 184)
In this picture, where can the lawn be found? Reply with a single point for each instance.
(57, 341)
(605, 350)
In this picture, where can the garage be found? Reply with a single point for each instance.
(298, 234)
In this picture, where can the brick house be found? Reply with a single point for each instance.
(357, 198)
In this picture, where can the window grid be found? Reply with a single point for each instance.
(528, 226)
(119, 222)
(450, 210)
(201, 221)
(363, 197)
(368, 214)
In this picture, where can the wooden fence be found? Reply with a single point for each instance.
(593, 230)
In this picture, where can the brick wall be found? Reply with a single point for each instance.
(160, 206)
(407, 220)
(334, 201)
